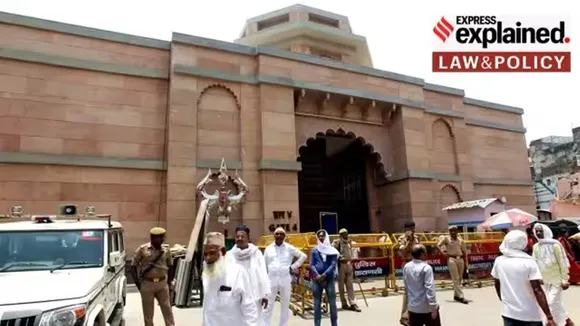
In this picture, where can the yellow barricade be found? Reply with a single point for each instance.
(298, 303)
(378, 267)
(482, 249)
(372, 267)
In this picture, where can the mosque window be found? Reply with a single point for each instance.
(325, 54)
(323, 20)
(274, 21)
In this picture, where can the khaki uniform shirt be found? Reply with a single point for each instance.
(405, 247)
(146, 253)
(455, 247)
(344, 247)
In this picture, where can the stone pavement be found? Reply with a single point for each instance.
(483, 311)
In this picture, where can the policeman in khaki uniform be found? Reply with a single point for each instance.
(454, 248)
(345, 271)
(153, 275)
(406, 243)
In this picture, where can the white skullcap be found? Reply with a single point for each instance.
(216, 239)
(280, 229)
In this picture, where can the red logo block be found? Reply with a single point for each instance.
(443, 29)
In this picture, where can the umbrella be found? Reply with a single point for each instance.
(508, 219)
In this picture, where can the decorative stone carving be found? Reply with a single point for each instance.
(225, 201)
(366, 109)
(323, 103)
(344, 108)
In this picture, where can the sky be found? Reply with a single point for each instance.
(399, 35)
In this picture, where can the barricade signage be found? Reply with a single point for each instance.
(480, 264)
(438, 262)
(371, 267)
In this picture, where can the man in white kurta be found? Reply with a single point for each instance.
(279, 256)
(251, 259)
(554, 266)
(228, 298)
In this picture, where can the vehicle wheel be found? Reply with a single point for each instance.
(385, 293)
(479, 285)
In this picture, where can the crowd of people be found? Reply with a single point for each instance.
(241, 285)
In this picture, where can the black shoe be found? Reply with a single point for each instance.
(355, 308)
(461, 300)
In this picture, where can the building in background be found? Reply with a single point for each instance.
(131, 125)
(567, 201)
(551, 159)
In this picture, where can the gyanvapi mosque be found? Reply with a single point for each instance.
(132, 124)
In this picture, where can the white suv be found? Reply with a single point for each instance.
(57, 272)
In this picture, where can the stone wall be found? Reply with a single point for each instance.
(131, 125)
(68, 124)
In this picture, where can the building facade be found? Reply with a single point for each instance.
(553, 158)
(131, 125)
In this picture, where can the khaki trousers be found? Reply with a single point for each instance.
(346, 277)
(404, 308)
(456, 268)
(160, 291)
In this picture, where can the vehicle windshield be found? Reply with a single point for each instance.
(48, 250)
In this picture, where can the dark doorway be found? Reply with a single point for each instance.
(333, 180)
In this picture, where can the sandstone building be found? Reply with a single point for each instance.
(131, 124)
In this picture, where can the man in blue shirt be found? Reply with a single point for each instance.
(323, 267)
(420, 285)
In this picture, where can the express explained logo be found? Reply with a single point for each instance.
(498, 32)
(443, 29)
(502, 44)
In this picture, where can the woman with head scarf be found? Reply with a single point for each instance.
(554, 266)
(518, 284)
(323, 267)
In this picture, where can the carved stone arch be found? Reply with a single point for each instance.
(444, 157)
(447, 124)
(220, 86)
(455, 190)
(448, 195)
(381, 174)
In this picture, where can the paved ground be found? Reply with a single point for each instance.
(483, 311)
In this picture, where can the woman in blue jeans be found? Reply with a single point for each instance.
(323, 266)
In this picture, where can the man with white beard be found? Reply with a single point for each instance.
(279, 256)
(250, 258)
(228, 299)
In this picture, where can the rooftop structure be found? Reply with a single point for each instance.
(307, 30)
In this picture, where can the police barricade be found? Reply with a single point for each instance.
(482, 249)
(300, 288)
(373, 266)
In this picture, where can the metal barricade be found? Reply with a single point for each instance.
(372, 268)
(298, 302)
(482, 249)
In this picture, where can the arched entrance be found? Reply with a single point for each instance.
(336, 170)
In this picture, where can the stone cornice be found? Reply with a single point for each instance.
(42, 24)
(501, 182)
(281, 165)
(49, 25)
(216, 164)
(289, 82)
(69, 62)
(79, 160)
(265, 164)
(428, 175)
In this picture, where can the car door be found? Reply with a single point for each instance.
(110, 290)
